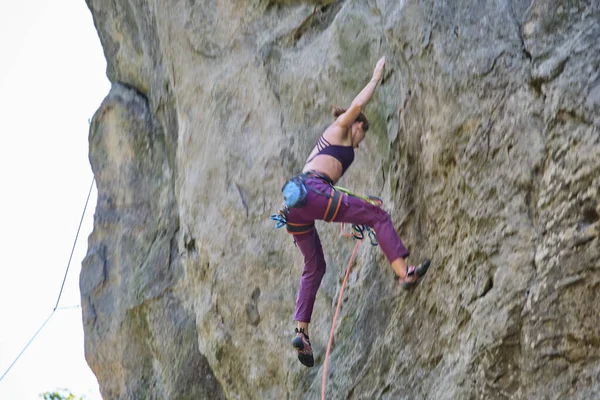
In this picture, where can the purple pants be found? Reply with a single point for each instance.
(352, 210)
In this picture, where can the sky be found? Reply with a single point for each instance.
(52, 80)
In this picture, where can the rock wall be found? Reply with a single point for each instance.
(484, 146)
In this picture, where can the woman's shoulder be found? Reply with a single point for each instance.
(336, 134)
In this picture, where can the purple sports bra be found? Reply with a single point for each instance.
(344, 154)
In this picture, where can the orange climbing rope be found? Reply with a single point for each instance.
(337, 311)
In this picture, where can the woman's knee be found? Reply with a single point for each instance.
(316, 268)
(322, 267)
(382, 217)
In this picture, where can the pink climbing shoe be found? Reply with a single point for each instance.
(302, 345)
(414, 274)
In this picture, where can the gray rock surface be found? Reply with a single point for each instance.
(484, 146)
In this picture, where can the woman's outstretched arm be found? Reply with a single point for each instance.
(358, 104)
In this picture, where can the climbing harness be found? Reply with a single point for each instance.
(293, 228)
(333, 206)
(295, 193)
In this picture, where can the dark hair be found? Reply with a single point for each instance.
(337, 111)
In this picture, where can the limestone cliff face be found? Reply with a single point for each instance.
(485, 147)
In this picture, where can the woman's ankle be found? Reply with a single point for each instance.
(303, 327)
(400, 268)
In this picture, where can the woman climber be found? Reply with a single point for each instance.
(330, 158)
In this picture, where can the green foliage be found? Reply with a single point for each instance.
(60, 395)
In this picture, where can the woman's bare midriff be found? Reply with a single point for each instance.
(325, 164)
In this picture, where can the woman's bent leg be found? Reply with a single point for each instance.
(314, 270)
(357, 211)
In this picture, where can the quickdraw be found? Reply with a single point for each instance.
(280, 217)
(358, 233)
